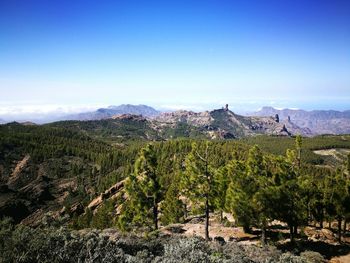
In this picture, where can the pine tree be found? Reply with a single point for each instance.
(289, 205)
(172, 207)
(220, 186)
(143, 190)
(248, 195)
(336, 193)
(237, 199)
(197, 179)
(348, 165)
(257, 176)
(103, 218)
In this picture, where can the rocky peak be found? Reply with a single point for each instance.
(131, 117)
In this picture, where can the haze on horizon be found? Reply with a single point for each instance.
(69, 56)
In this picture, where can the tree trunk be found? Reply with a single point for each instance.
(295, 230)
(207, 238)
(155, 215)
(263, 235)
(221, 216)
(291, 233)
(339, 229)
(308, 213)
(345, 225)
(329, 224)
(207, 218)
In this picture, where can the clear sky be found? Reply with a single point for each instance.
(170, 54)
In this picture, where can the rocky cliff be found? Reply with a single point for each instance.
(223, 123)
(317, 121)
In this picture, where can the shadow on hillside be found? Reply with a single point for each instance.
(327, 250)
(300, 245)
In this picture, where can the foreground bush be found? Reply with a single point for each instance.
(24, 244)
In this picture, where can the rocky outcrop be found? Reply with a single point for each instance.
(225, 124)
(112, 192)
(17, 177)
(129, 117)
(197, 119)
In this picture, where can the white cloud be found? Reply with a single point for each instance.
(41, 112)
(45, 109)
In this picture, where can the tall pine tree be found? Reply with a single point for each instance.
(197, 179)
(143, 190)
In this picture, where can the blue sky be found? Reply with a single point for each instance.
(174, 54)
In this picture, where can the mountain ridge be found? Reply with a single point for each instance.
(215, 124)
(318, 121)
(224, 123)
(104, 113)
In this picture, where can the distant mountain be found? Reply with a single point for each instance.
(318, 121)
(216, 124)
(223, 123)
(104, 113)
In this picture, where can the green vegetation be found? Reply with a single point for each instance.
(197, 179)
(143, 190)
(24, 244)
(257, 180)
(279, 145)
(111, 130)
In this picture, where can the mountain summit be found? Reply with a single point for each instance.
(223, 123)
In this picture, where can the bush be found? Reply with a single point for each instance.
(312, 257)
(24, 244)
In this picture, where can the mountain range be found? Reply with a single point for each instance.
(318, 121)
(104, 113)
(213, 123)
(216, 124)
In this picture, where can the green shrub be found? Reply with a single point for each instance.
(312, 257)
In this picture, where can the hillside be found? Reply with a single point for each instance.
(318, 121)
(75, 174)
(120, 128)
(317, 150)
(44, 168)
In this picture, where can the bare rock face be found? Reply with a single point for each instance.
(34, 218)
(193, 118)
(109, 193)
(19, 177)
(224, 124)
(130, 117)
